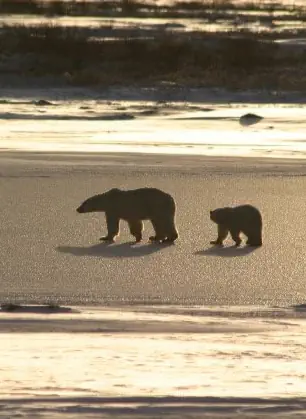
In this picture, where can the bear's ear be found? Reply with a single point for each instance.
(210, 212)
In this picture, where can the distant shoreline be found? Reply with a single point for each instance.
(193, 44)
(142, 8)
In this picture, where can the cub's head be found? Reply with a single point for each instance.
(220, 215)
(98, 203)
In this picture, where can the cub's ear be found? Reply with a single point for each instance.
(210, 212)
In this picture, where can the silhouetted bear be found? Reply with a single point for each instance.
(134, 206)
(244, 218)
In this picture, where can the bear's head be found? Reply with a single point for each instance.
(98, 203)
(220, 215)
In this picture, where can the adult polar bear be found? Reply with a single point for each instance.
(134, 206)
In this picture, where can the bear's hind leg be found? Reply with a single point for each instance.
(160, 234)
(136, 227)
(171, 231)
(254, 240)
(222, 233)
(235, 233)
(112, 223)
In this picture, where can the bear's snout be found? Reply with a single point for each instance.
(80, 210)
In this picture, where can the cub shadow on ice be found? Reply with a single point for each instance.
(227, 251)
(112, 250)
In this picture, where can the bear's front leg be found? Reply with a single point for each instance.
(222, 233)
(112, 223)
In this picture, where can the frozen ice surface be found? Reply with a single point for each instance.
(186, 331)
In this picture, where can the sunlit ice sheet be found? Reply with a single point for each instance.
(216, 131)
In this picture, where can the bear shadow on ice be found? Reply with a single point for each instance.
(107, 250)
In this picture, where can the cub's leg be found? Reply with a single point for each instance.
(112, 223)
(235, 233)
(136, 228)
(222, 233)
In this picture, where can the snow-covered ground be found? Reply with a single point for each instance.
(154, 362)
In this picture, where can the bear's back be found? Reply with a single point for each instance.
(143, 203)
